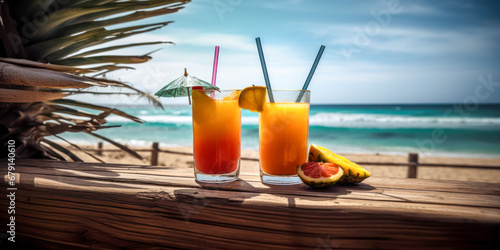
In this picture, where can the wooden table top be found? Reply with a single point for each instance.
(77, 205)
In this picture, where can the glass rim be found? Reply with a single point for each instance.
(289, 90)
(220, 90)
(280, 90)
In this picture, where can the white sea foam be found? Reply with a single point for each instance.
(397, 121)
(167, 119)
(342, 120)
(174, 119)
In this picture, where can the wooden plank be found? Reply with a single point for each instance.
(118, 206)
(386, 183)
(373, 205)
(398, 183)
(210, 221)
(468, 187)
(362, 191)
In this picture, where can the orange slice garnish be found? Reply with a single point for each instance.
(253, 98)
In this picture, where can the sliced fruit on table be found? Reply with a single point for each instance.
(253, 98)
(319, 174)
(353, 173)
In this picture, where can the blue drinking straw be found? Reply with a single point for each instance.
(264, 69)
(311, 73)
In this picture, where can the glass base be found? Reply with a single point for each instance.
(279, 179)
(217, 178)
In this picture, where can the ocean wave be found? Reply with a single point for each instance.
(375, 120)
(343, 120)
(173, 119)
(169, 119)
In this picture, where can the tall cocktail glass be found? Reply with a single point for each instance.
(283, 136)
(216, 135)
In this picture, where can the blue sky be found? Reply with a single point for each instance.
(385, 51)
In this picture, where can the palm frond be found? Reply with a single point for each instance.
(15, 81)
(89, 25)
(110, 67)
(117, 47)
(62, 150)
(151, 98)
(43, 48)
(119, 7)
(79, 148)
(49, 151)
(94, 120)
(62, 68)
(103, 59)
(96, 107)
(51, 116)
(38, 77)
(122, 147)
(42, 67)
(70, 111)
(64, 15)
(83, 3)
(22, 96)
(62, 47)
(58, 126)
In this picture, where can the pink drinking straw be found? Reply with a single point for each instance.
(214, 71)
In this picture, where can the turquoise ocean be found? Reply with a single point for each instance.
(433, 130)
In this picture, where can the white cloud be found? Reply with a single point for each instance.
(442, 73)
(228, 41)
(434, 42)
(418, 8)
(408, 40)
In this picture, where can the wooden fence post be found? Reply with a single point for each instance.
(154, 154)
(99, 148)
(413, 165)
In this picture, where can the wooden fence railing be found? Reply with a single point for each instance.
(412, 163)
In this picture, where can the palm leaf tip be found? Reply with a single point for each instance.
(97, 107)
(79, 148)
(62, 150)
(96, 51)
(78, 61)
(151, 98)
(122, 147)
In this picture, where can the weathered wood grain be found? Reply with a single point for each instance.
(106, 206)
(389, 183)
(360, 192)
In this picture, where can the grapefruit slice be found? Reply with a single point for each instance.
(253, 98)
(319, 174)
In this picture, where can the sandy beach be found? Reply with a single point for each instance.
(252, 166)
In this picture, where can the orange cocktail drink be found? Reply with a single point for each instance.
(216, 135)
(283, 136)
